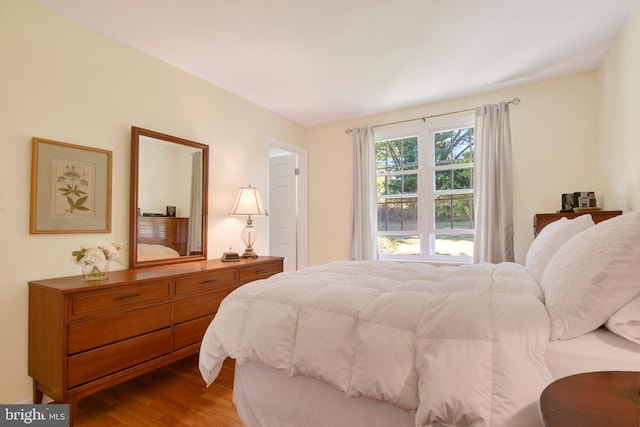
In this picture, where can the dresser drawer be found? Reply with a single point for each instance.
(259, 271)
(115, 299)
(98, 363)
(189, 333)
(202, 305)
(205, 281)
(92, 333)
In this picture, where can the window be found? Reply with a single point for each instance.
(424, 175)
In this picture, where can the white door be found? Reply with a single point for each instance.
(283, 215)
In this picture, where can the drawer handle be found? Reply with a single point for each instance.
(127, 297)
(264, 270)
(206, 282)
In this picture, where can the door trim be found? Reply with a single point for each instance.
(302, 197)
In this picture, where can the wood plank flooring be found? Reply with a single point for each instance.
(174, 395)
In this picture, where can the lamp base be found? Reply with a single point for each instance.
(249, 253)
(248, 238)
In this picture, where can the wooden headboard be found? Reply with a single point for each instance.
(164, 230)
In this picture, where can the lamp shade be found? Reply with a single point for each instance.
(248, 202)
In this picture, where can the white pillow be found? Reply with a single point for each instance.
(626, 321)
(592, 275)
(550, 239)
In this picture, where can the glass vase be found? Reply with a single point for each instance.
(96, 271)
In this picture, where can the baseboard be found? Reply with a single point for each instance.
(45, 400)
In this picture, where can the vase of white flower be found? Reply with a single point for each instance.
(97, 269)
(95, 259)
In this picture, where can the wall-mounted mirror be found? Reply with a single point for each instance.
(169, 177)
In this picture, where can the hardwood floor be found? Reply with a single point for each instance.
(174, 395)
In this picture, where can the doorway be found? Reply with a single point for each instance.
(288, 203)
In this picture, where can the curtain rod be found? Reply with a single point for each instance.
(514, 101)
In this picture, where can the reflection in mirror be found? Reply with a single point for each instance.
(169, 178)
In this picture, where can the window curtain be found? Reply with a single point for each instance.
(364, 238)
(493, 185)
(194, 239)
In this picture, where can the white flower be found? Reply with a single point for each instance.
(97, 252)
(94, 256)
(110, 252)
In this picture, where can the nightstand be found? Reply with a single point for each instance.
(593, 399)
(541, 220)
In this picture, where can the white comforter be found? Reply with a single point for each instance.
(457, 346)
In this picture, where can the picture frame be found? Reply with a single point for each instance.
(70, 188)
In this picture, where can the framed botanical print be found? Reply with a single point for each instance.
(70, 188)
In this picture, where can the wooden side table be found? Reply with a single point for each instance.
(541, 220)
(593, 399)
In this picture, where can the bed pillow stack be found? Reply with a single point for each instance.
(592, 276)
(550, 239)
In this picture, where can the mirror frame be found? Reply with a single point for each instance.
(136, 133)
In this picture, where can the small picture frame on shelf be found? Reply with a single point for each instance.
(567, 202)
(171, 211)
(584, 199)
(583, 202)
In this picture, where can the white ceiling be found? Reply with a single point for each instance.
(317, 61)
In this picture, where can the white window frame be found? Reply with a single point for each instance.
(425, 130)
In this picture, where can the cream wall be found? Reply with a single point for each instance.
(64, 82)
(61, 81)
(619, 119)
(554, 138)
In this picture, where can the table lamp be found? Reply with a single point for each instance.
(248, 202)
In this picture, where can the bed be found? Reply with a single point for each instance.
(380, 343)
(154, 252)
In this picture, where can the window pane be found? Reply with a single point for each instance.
(397, 155)
(394, 156)
(381, 183)
(463, 216)
(453, 146)
(463, 179)
(384, 158)
(454, 179)
(443, 207)
(394, 184)
(410, 183)
(454, 244)
(443, 180)
(410, 153)
(397, 214)
(399, 245)
(454, 211)
(381, 157)
(385, 212)
(462, 143)
(410, 214)
(442, 148)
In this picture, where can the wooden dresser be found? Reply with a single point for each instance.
(87, 336)
(541, 220)
(164, 230)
